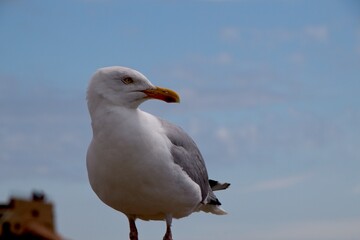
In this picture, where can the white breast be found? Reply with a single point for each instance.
(131, 169)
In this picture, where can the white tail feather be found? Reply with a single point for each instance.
(214, 209)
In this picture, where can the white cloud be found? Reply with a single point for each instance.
(228, 99)
(319, 33)
(274, 36)
(230, 34)
(297, 58)
(220, 1)
(223, 134)
(225, 137)
(345, 229)
(96, 1)
(218, 59)
(224, 58)
(357, 49)
(357, 43)
(356, 189)
(43, 132)
(280, 183)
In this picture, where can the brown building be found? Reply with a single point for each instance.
(27, 219)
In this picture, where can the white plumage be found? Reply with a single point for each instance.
(137, 163)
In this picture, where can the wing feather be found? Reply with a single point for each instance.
(187, 155)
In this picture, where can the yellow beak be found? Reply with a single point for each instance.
(163, 94)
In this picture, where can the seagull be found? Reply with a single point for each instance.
(139, 164)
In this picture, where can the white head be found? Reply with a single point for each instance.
(125, 87)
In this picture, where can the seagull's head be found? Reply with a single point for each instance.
(125, 87)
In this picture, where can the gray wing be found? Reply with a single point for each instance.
(187, 155)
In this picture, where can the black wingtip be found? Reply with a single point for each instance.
(214, 202)
(212, 183)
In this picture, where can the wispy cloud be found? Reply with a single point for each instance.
(232, 82)
(229, 34)
(319, 33)
(309, 230)
(310, 33)
(356, 189)
(357, 43)
(297, 58)
(43, 131)
(279, 183)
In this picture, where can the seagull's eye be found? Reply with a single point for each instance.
(127, 80)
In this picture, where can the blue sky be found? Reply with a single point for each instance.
(269, 91)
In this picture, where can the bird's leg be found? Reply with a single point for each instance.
(133, 231)
(168, 235)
